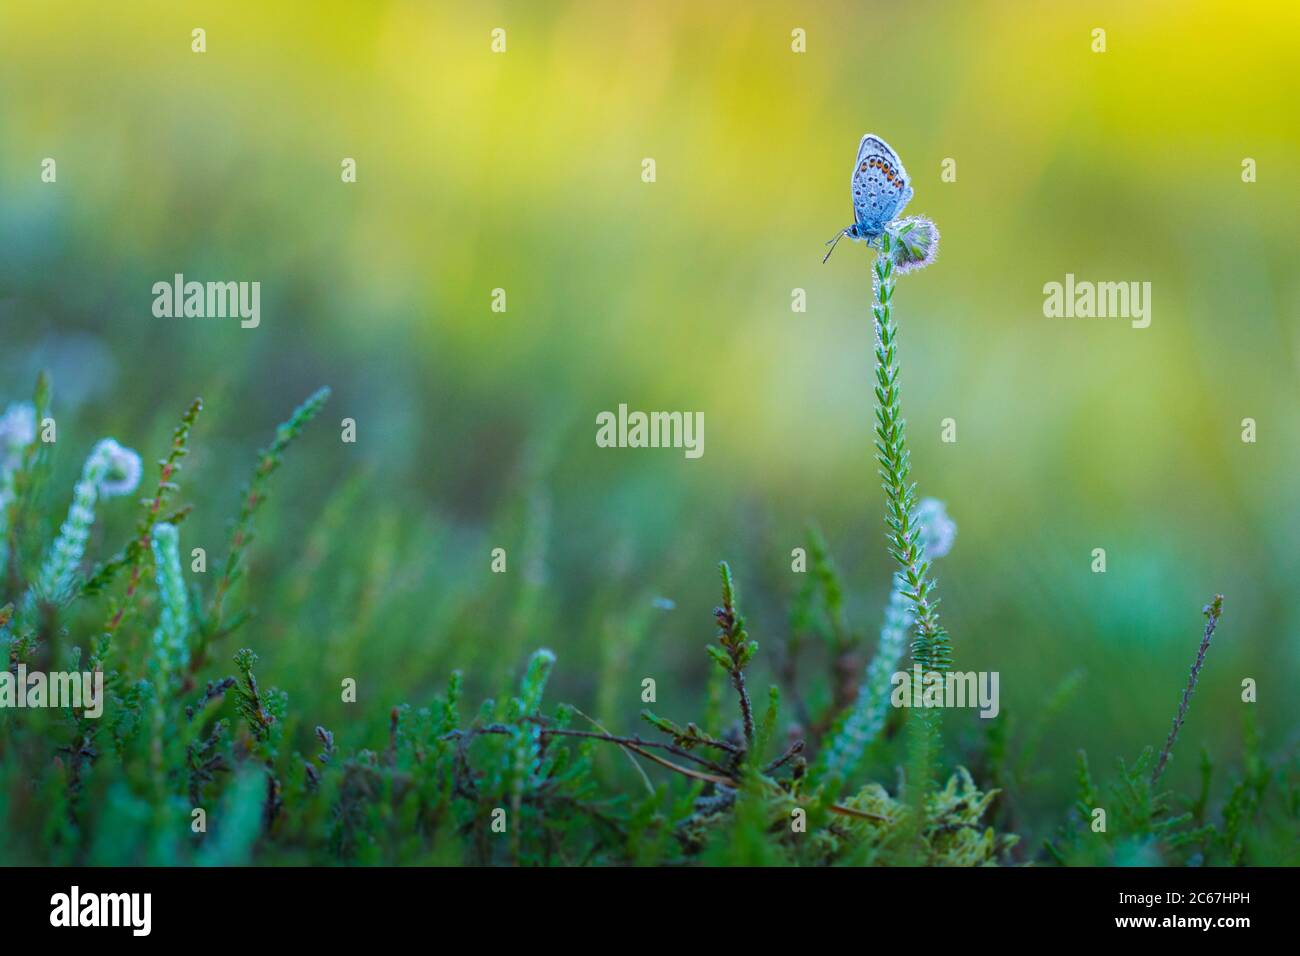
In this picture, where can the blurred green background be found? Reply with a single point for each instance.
(522, 171)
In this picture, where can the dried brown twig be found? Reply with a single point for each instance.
(1211, 612)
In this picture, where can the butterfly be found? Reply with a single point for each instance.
(881, 189)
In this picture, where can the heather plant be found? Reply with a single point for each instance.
(200, 758)
(1145, 825)
(862, 722)
(17, 433)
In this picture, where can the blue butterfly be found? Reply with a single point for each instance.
(880, 191)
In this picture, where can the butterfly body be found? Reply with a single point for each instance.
(880, 190)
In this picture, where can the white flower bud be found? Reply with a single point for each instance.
(118, 469)
(937, 529)
(17, 431)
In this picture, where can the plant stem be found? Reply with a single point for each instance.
(737, 651)
(153, 511)
(930, 646)
(637, 745)
(1211, 612)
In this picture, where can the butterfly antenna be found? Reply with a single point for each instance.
(833, 243)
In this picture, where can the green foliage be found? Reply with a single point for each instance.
(1144, 825)
(952, 831)
(859, 723)
(516, 780)
(252, 499)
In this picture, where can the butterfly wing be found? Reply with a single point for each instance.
(880, 186)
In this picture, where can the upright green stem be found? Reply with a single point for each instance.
(736, 652)
(930, 646)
